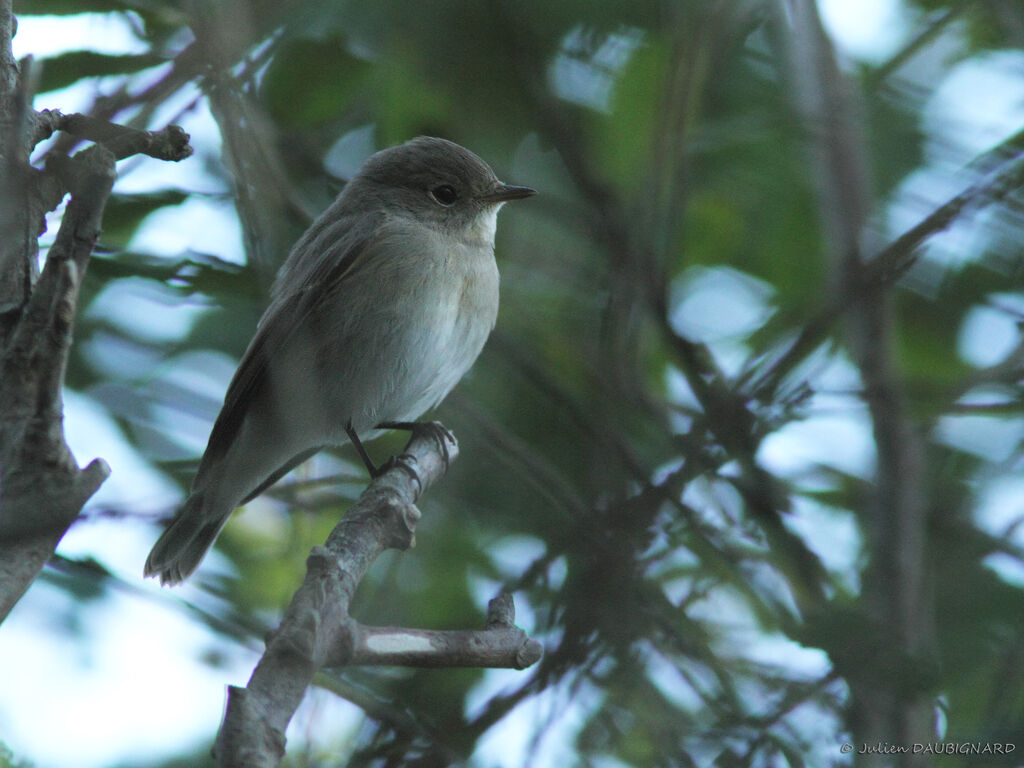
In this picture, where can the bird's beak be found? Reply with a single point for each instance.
(504, 192)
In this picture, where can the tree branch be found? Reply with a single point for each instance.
(41, 488)
(251, 153)
(501, 644)
(896, 588)
(317, 630)
(170, 143)
(18, 268)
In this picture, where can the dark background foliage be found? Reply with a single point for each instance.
(746, 458)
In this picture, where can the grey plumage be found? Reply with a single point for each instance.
(380, 309)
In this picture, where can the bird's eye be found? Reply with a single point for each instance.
(445, 194)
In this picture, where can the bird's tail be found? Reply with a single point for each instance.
(185, 543)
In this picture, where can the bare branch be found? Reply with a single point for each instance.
(935, 28)
(261, 179)
(499, 645)
(317, 630)
(42, 489)
(17, 244)
(894, 260)
(171, 143)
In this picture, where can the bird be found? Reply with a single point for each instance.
(380, 308)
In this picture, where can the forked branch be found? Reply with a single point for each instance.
(318, 632)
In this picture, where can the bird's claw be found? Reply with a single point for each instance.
(435, 429)
(396, 462)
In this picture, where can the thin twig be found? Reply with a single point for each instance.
(170, 143)
(885, 268)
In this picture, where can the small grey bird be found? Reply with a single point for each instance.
(380, 309)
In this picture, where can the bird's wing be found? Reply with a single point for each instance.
(288, 312)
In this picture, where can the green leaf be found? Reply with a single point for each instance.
(61, 71)
(626, 135)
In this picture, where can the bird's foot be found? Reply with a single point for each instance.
(395, 462)
(435, 429)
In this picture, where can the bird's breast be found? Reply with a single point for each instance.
(410, 328)
(477, 300)
(469, 308)
(453, 328)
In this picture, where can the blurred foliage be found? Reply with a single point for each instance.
(61, 71)
(8, 760)
(697, 551)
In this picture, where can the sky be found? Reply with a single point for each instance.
(135, 659)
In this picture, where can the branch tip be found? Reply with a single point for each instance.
(170, 143)
(96, 472)
(501, 611)
(529, 654)
(89, 480)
